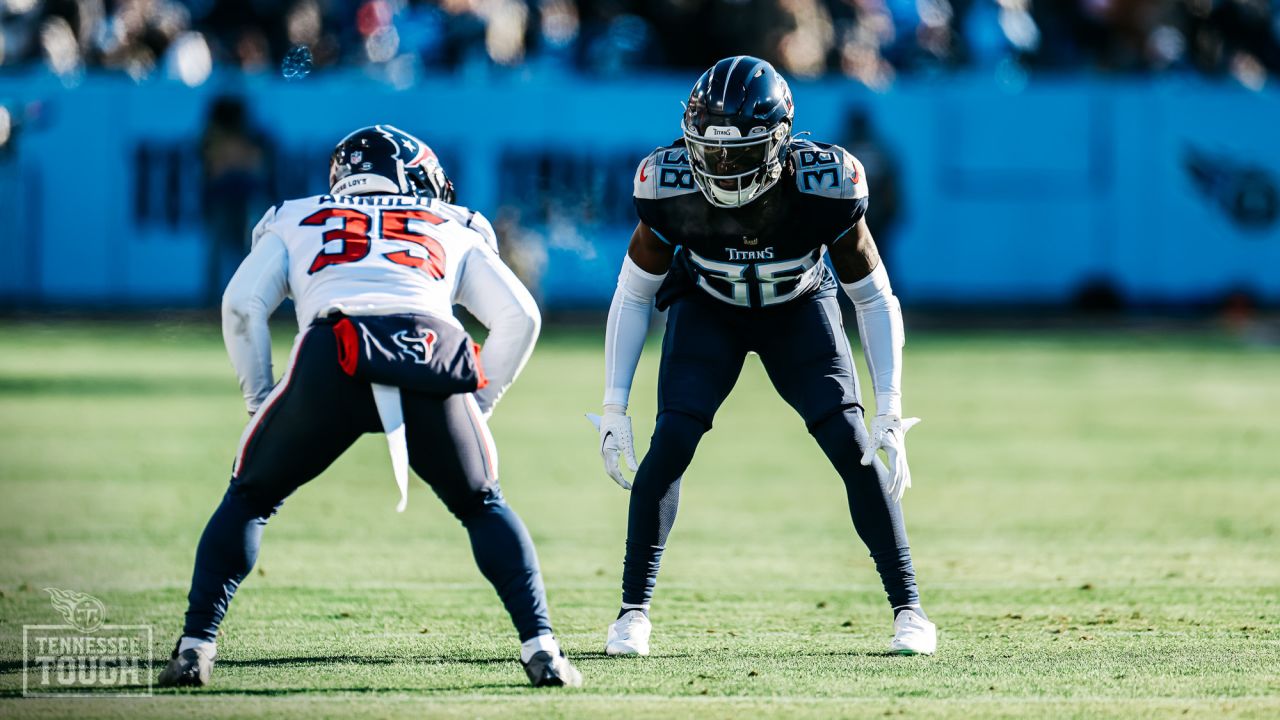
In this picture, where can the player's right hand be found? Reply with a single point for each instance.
(615, 441)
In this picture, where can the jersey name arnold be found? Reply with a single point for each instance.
(767, 252)
(362, 255)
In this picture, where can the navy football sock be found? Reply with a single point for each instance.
(227, 552)
(655, 496)
(919, 611)
(506, 557)
(877, 519)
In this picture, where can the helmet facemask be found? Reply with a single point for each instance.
(732, 170)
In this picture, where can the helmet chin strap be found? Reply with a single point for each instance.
(733, 198)
(744, 194)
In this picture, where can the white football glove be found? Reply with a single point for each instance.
(615, 441)
(889, 432)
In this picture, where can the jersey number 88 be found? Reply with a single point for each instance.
(768, 277)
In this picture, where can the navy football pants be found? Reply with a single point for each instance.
(807, 357)
(316, 413)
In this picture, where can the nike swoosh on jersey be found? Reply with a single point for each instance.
(643, 165)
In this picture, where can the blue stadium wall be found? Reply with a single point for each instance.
(1166, 191)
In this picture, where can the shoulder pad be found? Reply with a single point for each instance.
(828, 171)
(470, 219)
(664, 173)
(263, 227)
(481, 224)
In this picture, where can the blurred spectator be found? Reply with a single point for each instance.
(524, 250)
(137, 34)
(871, 41)
(881, 168)
(236, 176)
(616, 40)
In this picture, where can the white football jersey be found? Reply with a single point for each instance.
(374, 255)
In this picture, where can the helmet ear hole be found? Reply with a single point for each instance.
(448, 194)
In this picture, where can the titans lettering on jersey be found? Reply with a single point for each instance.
(767, 252)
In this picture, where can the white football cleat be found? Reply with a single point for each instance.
(629, 635)
(913, 634)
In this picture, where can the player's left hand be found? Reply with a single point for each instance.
(889, 432)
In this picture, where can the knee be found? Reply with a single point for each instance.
(677, 433)
(839, 417)
(254, 499)
(469, 504)
(671, 450)
(841, 433)
(839, 420)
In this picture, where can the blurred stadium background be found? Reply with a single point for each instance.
(1096, 153)
(1094, 520)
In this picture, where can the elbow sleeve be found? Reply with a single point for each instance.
(254, 292)
(880, 328)
(502, 304)
(626, 329)
(511, 339)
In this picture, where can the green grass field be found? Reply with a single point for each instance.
(1096, 526)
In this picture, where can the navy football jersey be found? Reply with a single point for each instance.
(767, 252)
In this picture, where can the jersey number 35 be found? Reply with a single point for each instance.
(353, 237)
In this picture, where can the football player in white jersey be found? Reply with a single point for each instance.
(374, 268)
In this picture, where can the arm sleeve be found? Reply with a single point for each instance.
(880, 327)
(490, 291)
(255, 291)
(626, 329)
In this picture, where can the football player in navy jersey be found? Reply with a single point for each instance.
(735, 218)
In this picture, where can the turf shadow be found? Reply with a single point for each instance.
(364, 660)
(108, 386)
(274, 692)
(602, 655)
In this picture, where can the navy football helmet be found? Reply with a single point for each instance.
(737, 125)
(384, 159)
